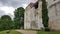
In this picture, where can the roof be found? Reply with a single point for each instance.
(33, 4)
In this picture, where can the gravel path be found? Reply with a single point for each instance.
(27, 31)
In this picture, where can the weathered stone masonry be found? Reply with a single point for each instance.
(33, 15)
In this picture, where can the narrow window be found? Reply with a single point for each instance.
(46, 3)
(36, 5)
(54, 0)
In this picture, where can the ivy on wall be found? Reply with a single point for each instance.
(45, 17)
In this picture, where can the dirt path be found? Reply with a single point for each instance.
(27, 31)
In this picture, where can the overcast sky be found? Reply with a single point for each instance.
(8, 6)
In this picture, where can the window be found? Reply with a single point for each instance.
(56, 10)
(54, 0)
(46, 3)
(36, 5)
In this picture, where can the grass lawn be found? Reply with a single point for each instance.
(43, 32)
(11, 32)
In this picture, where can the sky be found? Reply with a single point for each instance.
(7, 7)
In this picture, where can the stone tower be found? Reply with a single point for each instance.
(33, 16)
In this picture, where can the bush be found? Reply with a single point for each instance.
(47, 29)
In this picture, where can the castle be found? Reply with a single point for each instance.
(33, 15)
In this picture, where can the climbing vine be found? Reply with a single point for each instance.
(45, 17)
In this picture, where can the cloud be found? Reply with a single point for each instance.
(7, 9)
(16, 3)
(8, 6)
(2, 13)
(12, 16)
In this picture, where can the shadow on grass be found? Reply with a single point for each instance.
(11, 32)
(47, 32)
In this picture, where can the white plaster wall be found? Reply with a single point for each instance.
(28, 17)
(54, 16)
(54, 20)
(49, 1)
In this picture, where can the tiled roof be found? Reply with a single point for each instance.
(33, 4)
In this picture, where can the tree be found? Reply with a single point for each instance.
(19, 17)
(45, 17)
(6, 22)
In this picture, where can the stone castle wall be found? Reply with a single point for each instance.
(54, 15)
(33, 17)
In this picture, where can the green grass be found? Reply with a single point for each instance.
(11, 32)
(43, 32)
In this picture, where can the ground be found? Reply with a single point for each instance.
(44, 32)
(12, 32)
(27, 31)
(37, 32)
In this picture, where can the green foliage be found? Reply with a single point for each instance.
(19, 17)
(11, 32)
(5, 17)
(6, 22)
(45, 17)
(46, 32)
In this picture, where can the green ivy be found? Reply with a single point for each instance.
(45, 17)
